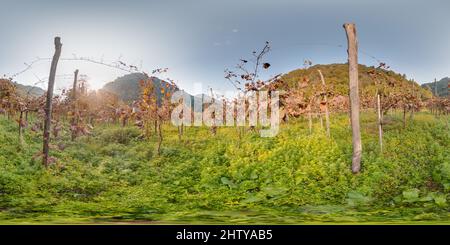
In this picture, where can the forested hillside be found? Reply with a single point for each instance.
(336, 76)
(440, 88)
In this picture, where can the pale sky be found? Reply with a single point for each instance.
(197, 40)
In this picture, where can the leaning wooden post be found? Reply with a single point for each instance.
(327, 113)
(48, 105)
(350, 30)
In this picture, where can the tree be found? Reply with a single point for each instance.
(48, 105)
(350, 30)
(8, 96)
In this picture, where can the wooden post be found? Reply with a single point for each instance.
(213, 127)
(327, 113)
(404, 116)
(158, 122)
(436, 106)
(160, 137)
(435, 88)
(321, 120)
(74, 89)
(74, 105)
(380, 123)
(156, 110)
(350, 30)
(310, 122)
(412, 107)
(21, 123)
(48, 105)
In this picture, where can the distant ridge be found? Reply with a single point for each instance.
(336, 75)
(128, 89)
(441, 87)
(29, 90)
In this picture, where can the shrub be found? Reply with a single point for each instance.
(119, 135)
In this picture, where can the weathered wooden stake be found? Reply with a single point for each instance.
(404, 116)
(48, 105)
(380, 123)
(75, 81)
(160, 137)
(350, 30)
(213, 127)
(74, 105)
(21, 123)
(321, 120)
(310, 122)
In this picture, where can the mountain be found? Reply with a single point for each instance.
(128, 89)
(25, 90)
(336, 77)
(441, 87)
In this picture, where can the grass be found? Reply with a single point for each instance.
(115, 176)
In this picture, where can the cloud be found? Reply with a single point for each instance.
(235, 30)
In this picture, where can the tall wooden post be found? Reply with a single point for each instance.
(380, 122)
(74, 89)
(327, 113)
(21, 123)
(73, 123)
(160, 137)
(310, 122)
(436, 107)
(350, 30)
(213, 114)
(48, 105)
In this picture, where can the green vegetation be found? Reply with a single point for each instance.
(127, 87)
(26, 90)
(441, 87)
(115, 175)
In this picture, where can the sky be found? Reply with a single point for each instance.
(198, 39)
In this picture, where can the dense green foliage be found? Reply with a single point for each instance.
(115, 175)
